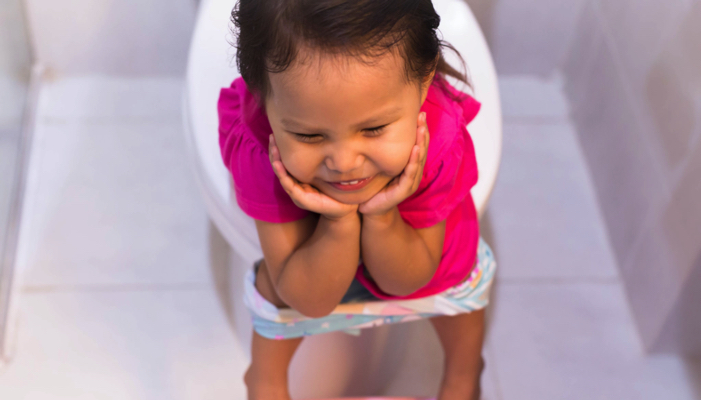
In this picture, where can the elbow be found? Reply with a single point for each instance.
(408, 287)
(401, 289)
(311, 305)
(310, 308)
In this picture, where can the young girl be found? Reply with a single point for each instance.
(346, 143)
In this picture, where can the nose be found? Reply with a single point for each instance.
(343, 159)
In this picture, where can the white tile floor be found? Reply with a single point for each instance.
(118, 299)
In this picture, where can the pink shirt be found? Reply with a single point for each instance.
(443, 194)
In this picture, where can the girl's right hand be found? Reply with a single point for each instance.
(304, 195)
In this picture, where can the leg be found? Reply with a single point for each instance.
(266, 377)
(462, 337)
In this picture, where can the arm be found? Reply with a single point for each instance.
(400, 259)
(311, 262)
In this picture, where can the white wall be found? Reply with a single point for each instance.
(15, 64)
(632, 73)
(528, 36)
(633, 77)
(118, 37)
(151, 37)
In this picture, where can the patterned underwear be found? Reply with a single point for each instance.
(360, 309)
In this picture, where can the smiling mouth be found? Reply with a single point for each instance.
(351, 185)
(350, 182)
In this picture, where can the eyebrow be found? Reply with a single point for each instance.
(295, 125)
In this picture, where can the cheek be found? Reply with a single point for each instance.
(393, 155)
(299, 160)
(392, 159)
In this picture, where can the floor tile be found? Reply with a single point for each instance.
(100, 98)
(490, 384)
(544, 215)
(117, 223)
(172, 345)
(527, 97)
(113, 204)
(576, 341)
(631, 183)
(421, 371)
(528, 36)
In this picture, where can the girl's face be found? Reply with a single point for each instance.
(344, 126)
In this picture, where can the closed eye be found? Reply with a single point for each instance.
(376, 131)
(306, 138)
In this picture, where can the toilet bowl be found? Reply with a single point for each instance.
(396, 360)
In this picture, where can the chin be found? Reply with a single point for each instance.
(354, 197)
(350, 198)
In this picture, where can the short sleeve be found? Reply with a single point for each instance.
(243, 135)
(451, 171)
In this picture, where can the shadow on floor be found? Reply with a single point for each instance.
(487, 234)
(693, 372)
(219, 255)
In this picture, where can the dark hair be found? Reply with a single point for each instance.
(270, 32)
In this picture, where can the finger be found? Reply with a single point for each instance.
(285, 179)
(278, 166)
(275, 159)
(417, 177)
(270, 147)
(274, 150)
(406, 180)
(420, 140)
(424, 146)
(422, 136)
(419, 170)
(422, 122)
(402, 183)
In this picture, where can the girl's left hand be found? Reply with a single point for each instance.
(407, 182)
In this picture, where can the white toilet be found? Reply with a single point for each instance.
(400, 360)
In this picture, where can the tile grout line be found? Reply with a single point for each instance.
(536, 120)
(560, 280)
(114, 120)
(112, 288)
